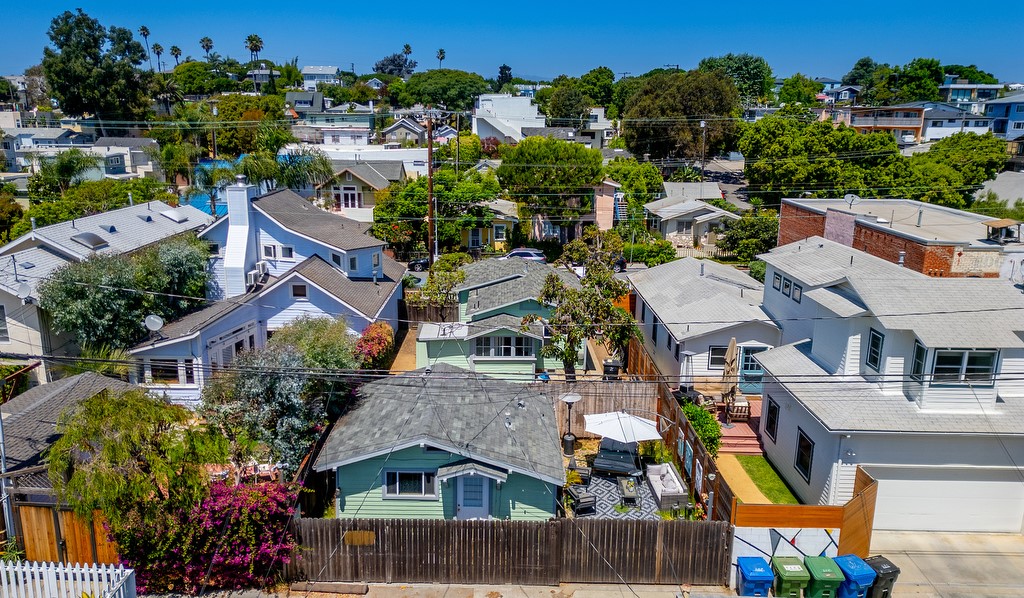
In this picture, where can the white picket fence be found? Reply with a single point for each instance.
(58, 580)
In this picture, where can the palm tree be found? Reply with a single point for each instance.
(440, 57)
(206, 44)
(158, 50)
(144, 32)
(166, 91)
(407, 49)
(176, 53)
(255, 44)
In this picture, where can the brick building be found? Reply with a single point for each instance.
(927, 238)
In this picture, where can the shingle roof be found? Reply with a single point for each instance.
(495, 283)
(30, 419)
(674, 207)
(319, 70)
(841, 303)
(362, 294)
(563, 133)
(194, 322)
(298, 215)
(124, 142)
(688, 191)
(378, 173)
(820, 262)
(692, 305)
(1010, 99)
(406, 123)
(453, 409)
(857, 405)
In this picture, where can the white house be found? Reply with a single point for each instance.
(682, 220)
(690, 309)
(314, 75)
(942, 122)
(915, 379)
(503, 116)
(31, 258)
(275, 258)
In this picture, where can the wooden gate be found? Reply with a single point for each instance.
(55, 535)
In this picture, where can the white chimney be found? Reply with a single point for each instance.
(240, 252)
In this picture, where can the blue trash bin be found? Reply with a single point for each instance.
(755, 576)
(859, 576)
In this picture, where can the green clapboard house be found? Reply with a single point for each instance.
(445, 444)
(489, 337)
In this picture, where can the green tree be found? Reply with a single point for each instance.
(126, 454)
(466, 150)
(144, 33)
(254, 44)
(441, 57)
(623, 90)
(970, 72)
(504, 77)
(663, 117)
(59, 172)
(251, 110)
(176, 160)
(550, 176)
(756, 232)
(10, 211)
(176, 53)
(37, 90)
(598, 85)
(206, 44)
(862, 72)
(158, 50)
(397, 64)
(453, 89)
(800, 89)
(92, 70)
(919, 80)
(568, 107)
(291, 76)
(750, 74)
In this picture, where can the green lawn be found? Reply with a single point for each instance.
(767, 479)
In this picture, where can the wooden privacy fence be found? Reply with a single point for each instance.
(54, 580)
(599, 396)
(57, 535)
(414, 314)
(511, 552)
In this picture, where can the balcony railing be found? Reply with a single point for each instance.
(885, 121)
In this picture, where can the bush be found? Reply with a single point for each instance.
(706, 427)
(376, 346)
(235, 538)
(652, 254)
(756, 270)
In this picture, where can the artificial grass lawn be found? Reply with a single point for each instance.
(767, 479)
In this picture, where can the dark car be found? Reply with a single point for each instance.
(526, 253)
(419, 264)
(619, 265)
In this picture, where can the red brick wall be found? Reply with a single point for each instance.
(933, 260)
(796, 224)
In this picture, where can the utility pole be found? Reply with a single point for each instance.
(624, 74)
(431, 237)
(458, 143)
(703, 142)
(675, 66)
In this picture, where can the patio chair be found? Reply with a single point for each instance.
(739, 413)
(581, 499)
(585, 472)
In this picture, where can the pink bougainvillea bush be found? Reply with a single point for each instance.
(235, 538)
(376, 345)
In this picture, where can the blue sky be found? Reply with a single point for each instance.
(544, 39)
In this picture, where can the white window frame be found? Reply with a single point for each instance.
(962, 376)
(424, 494)
(777, 281)
(772, 431)
(800, 438)
(353, 263)
(713, 358)
(918, 367)
(507, 347)
(304, 293)
(5, 333)
(186, 368)
(285, 250)
(498, 237)
(873, 355)
(337, 259)
(272, 255)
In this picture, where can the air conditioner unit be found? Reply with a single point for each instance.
(251, 278)
(261, 268)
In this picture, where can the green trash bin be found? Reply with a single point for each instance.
(791, 577)
(826, 577)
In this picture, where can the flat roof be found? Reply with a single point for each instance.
(939, 225)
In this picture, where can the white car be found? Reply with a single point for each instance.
(526, 253)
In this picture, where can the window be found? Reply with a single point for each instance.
(777, 282)
(499, 232)
(190, 371)
(336, 258)
(654, 331)
(936, 123)
(5, 336)
(353, 263)
(668, 339)
(299, 291)
(504, 346)
(798, 292)
(874, 356)
(214, 248)
(643, 312)
(1018, 126)
(287, 252)
(410, 484)
(771, 419)
(917, 367)
(980, 123)
(1019, 108)
(804, 455)
(163, 371)
(787, 286)
(375, 260)
(270, 252)
(716, 358)
(964, 367)
(677, 351)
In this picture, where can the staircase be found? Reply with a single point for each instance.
(743, 437)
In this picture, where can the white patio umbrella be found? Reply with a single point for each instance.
(621, 426)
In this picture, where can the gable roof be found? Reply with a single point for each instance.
(495, 283)
(857, 405)
(291, 211)
(406, 123)
(30, 419)
(689, 191)
(691, 302)
(319, 70)
(453, 409)
(675, 207)
(817, 261)
(362, 294)
(376, 173)
(563, 133)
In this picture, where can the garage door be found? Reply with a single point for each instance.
(956, 500)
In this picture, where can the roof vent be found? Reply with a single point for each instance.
(27, 265)
(90, 240)
(146, 217)
(174, 216)
(110, 228)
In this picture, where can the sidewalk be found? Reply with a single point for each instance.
(499, 591)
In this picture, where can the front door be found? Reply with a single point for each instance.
(751, 373)
(473, 500)
(474, 237)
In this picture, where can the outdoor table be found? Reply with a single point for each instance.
(628, 490)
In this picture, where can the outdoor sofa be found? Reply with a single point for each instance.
(618, 458)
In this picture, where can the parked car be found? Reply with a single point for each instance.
(526, 253)
(419, 264)
(619, 265)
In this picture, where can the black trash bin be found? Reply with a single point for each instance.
(568, 444)
(887, 574)
(611, 369)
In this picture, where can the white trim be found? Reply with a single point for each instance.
(311, 239)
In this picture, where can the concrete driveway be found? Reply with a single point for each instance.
(954, 565)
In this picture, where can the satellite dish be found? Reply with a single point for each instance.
(154, 322)
(851, 199)
(24, 291)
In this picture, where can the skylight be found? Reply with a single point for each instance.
(174, 216)
(90, 240)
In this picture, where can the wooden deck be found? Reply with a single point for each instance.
(742, 438)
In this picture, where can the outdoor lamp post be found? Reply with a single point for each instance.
(569, 440)
(711, 496)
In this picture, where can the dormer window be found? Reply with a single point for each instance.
(961, 366)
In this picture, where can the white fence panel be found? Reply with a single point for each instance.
(25, 579)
